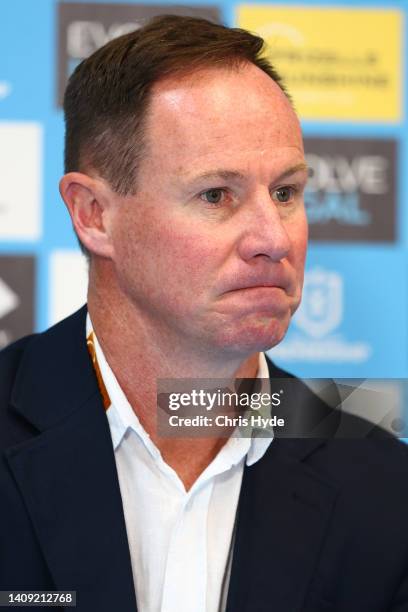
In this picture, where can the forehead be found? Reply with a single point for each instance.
(217, 114)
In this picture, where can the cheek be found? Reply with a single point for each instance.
(191, 256)
(301, 254)
(168, 253)
(298, 234)
(186, 270)
(297, 258)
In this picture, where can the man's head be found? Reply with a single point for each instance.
(193, 208)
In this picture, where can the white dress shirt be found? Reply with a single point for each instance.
(179, 540)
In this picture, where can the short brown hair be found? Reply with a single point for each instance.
(108, 93)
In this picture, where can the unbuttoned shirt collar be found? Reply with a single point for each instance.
(122, 418)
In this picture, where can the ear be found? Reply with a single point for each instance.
(88, 201)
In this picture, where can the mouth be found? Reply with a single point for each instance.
(260, 286)
(257, 295)
(279, 278)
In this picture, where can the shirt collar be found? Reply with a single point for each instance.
(259, 441)
(122, 418)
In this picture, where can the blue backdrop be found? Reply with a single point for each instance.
(353, 321)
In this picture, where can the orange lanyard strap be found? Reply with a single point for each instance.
(90, 342)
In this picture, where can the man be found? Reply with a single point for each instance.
(184, 180)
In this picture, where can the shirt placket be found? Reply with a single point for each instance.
(185, 581)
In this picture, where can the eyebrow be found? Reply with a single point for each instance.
(234, 174)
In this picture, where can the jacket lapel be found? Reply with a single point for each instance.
(283, 513)
(67, 473)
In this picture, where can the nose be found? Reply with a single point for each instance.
(265, 234)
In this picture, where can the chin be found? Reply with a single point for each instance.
(257, 335)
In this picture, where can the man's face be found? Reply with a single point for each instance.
(210, 251)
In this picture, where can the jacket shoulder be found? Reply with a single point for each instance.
(12, 355)
(26, 366)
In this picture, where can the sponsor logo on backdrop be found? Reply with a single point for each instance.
(20, 180)
(5, 89)
(330, 74)
(16, 298)
(9, 300)
(351, 194)
(68, 282)
(85, 27)
(322, 310)
(316, 334)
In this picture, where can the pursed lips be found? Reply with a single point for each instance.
(268, 292)
(281, 282)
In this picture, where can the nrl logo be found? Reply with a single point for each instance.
(321, 310)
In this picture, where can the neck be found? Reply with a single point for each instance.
(138, 356)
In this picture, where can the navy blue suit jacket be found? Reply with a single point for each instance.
(322, 523)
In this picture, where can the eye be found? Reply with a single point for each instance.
(284, 194)
(213, 196)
